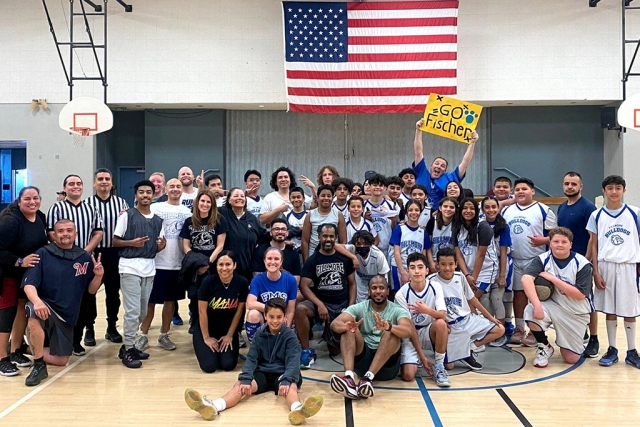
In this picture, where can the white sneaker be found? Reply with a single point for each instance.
(475, 349)
(142, 343)
(545, 351)
(498, 342)
(440, 376)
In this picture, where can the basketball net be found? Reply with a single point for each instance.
(80, 136)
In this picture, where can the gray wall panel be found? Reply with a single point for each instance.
(266, 140)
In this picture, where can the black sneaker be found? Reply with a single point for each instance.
(130, 359)
(8, 369)
(137, 354)
(113, 335)
(38, 373)
(586, 337)
(191, 329)
(78, 350)
(471, 363)
(90, 338)
(20, 360)
(592, 348)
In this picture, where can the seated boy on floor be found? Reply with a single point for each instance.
(272, 364)
(460, 301)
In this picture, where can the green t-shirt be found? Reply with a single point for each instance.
(392, 312)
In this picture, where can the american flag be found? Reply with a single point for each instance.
(369, 57)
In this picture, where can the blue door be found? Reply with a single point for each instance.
(128, 178)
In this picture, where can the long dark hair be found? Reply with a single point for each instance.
(439, 217)
(13, 206)
(500, 224)
(472, 229)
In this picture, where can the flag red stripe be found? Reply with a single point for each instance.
(393, 91)
(344, 109)
(412, 22)
(401, 57)
(378, 40)
(351, 75)
(403, 5)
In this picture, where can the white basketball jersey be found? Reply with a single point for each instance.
(425, 215)
(491, 264)
(405, 198)
(254, 205)
(411, 241)
(441, 238)
(567, 275)
(375, 264)
(382, 225)
(343, 210)
(296, 220)
(432, 295)
(618, 239)
(532, 220)
(363, 225)
(317, 219)
(457, 294)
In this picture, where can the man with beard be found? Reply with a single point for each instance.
(55, 288)
(166, 287)
(140, 234)
(189, 192)
(436, 178)
(574, 214)
(291, 259)
(371, 333)
(88, 235)
(109, 207)
(331, 275)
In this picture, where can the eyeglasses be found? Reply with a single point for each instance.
(279, 230)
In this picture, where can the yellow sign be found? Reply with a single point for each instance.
(451, 118)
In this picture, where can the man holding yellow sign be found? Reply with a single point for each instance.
(446, 117)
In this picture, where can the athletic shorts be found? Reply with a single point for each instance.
(409, 355)
(269, 381)
(330, 337)
(166, 287)
(396, 283)
(60, 333)
(519, 266)
(621, 295)
(570, 327)
(388, 371)
(9, 294)
(484, 287)
(470, 328)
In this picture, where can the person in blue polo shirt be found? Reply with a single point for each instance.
(436, 178)
(55, 287)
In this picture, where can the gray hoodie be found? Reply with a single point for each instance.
(273, 354)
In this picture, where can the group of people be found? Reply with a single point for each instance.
(401, 272)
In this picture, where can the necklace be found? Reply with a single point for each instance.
(226, 285)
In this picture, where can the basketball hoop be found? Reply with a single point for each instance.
(79, 135)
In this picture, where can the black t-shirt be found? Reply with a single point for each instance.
(329, 276)
(19, 237)
(61, 282)
(202, 240)
(290, 262)
(222, 301)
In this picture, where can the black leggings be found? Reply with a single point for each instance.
(7, 316)
(211, 361)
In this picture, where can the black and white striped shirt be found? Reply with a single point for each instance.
(109, 211)
(85, 217)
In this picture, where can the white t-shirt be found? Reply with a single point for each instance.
(187, 199)
(274, 199)
(375, 264)
(457, 294)
(173, 217)
(143, 267)
(432, 295)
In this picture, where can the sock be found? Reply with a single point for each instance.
(630, 330)
(296, 405)
(251, 329)
(350, 374)
(541, 337)
(220, 404)
(440, 357)
(369, 375)
(39, 361)
(143, 335)
(520, 324)
(611, 332)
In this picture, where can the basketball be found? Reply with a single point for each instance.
(544, 288)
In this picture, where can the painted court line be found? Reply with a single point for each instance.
(430, 406)
(514, 408)
(49, 381)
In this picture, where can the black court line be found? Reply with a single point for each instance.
(348, 412)
(525, 422)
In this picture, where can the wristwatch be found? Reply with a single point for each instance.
(389, 328)
(20, 261)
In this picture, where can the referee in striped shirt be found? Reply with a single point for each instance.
(109, 206)
(89, 226)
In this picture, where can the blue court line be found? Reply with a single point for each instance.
(489, 387)
(430, 406)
